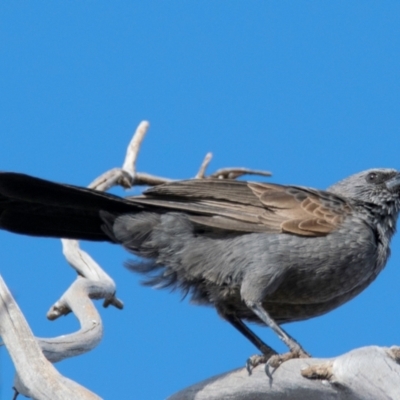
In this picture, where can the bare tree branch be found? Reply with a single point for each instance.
(36, 377)
(368, 373)
(203, 166)
(233, 173)
(133, 149)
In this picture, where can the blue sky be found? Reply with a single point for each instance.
(309, 90)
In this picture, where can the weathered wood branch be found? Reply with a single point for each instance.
(36, 377)
(368, 373)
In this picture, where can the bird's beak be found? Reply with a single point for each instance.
(393, 183)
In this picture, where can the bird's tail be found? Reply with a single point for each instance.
(37, 207)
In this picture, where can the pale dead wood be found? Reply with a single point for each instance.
(368, 373)
(36, 377)
(132, 153)
(202, 170)
(233, 173)
(150, 180)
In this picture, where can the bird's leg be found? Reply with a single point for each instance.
(267, 351)
(296, 351)
(249, 334)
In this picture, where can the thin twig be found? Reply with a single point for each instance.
(235, 172)
(203, 166)
(129, 164)
(142, 178)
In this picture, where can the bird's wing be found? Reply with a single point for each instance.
(250, 207)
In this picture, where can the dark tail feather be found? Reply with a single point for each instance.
(34, 206)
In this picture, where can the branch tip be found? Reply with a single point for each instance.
(132, 152)
(201, 173)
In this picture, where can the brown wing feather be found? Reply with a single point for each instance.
(251, 207)
(208, 189)
(302, 211)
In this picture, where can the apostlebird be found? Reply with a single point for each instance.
(257, 252)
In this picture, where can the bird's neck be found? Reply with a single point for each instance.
(384, 224)
(385, 219)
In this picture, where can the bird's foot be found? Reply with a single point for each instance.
(255, 360)
(276, 360)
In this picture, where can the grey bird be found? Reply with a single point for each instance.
(257, 252)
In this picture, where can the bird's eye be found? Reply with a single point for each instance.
(372, 177)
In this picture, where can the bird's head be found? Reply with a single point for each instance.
(380, 186)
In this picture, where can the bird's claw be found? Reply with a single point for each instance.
(255, 360)
(276, 360)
